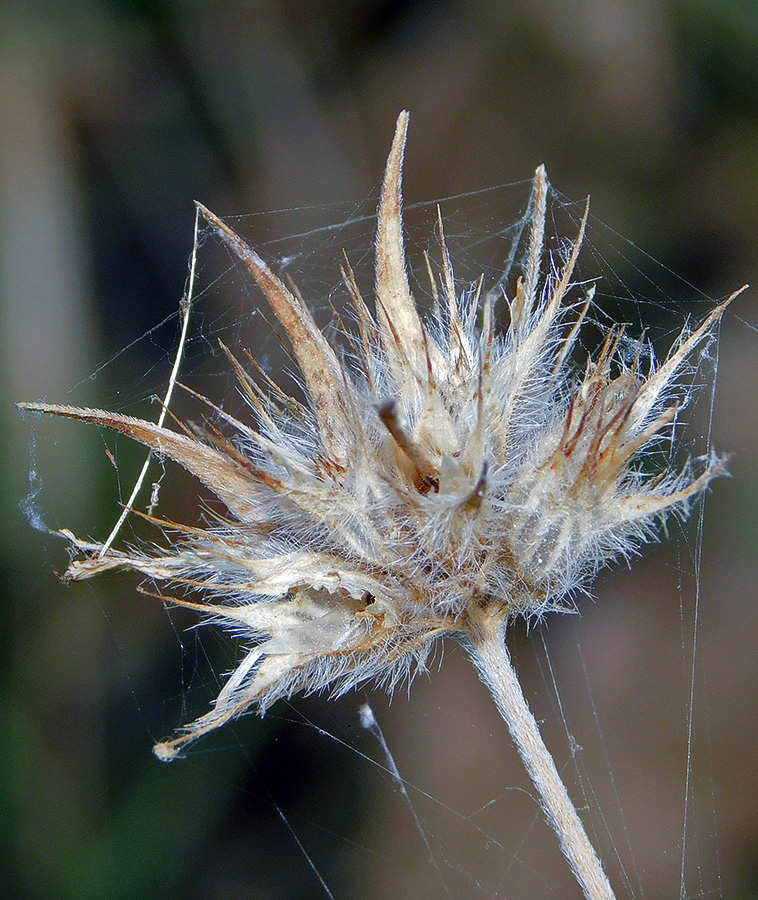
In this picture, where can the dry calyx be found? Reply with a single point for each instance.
(442, 478)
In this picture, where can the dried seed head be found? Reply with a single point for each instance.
(462, 474)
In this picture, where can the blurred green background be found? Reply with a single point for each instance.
(114, 117)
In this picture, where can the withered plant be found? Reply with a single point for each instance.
(441, 477)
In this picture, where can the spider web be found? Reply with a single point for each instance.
(424, 797)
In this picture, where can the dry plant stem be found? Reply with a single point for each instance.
(492, 660)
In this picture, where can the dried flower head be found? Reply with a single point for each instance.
(443, 476)
(440, 479)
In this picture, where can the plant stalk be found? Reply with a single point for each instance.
(493, 662)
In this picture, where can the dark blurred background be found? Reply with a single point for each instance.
(114, 116)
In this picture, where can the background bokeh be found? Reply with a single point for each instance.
(114, 116)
